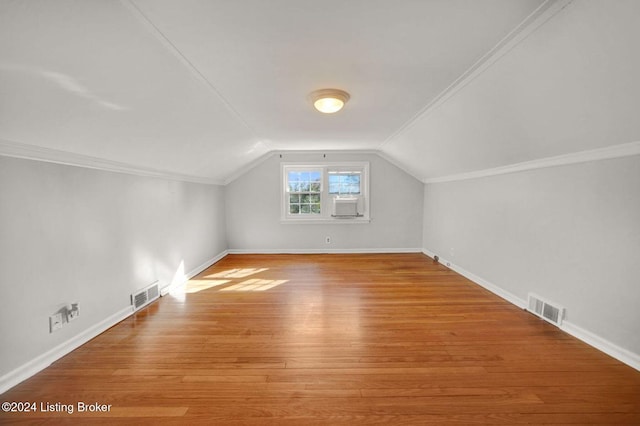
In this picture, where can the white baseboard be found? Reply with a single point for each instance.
(509, 297)
(611, 349)
(195, 271)
(325, 251)
(41, 362)
(615, 351)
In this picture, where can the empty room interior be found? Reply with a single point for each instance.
(300, 212)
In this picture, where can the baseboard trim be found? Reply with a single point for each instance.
(611, 349)
(509, 297)
(41, 362)
(325, 251)
(195, 271)
(593, 340)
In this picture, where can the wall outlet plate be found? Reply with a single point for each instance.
(73, 314)
(55, 322)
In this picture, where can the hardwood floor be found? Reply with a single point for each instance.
(334, 339)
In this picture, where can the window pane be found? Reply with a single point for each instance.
(334, 184)
(353, 189)
(344, 183)
(304, 192)
(293, 176)
(353, 184)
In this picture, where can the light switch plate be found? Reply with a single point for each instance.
(55, 322)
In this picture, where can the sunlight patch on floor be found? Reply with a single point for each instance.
(237, 273)
(254, 285)
(194, 286)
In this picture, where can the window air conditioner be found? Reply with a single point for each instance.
(345, 207)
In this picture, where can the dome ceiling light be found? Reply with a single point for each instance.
(329, 101)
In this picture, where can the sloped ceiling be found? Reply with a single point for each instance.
(203, 88)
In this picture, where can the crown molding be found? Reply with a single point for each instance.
(398, 164)
(49, 155)
(325, 151)
(283, 152)
(616, 151)
(242, 170)
(37, 153)
(529, 25)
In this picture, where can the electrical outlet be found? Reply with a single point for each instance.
(72, 312)
(55, 322)
(327, 240)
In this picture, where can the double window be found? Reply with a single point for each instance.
(311, 192)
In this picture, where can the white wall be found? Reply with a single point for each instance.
(571, 234)
(70, 234)
(572, 85)
(253, 211)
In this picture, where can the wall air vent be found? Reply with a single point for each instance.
(143, 297)
(546, 310)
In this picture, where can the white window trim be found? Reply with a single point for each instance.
(325, 208)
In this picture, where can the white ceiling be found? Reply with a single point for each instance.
(204, 88)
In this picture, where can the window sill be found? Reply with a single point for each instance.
(324, 221)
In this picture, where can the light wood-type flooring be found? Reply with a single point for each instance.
(392, 339)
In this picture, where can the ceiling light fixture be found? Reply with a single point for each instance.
(329, 101)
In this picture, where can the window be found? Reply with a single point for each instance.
(325, 192)
(344, 182)
(304, 189)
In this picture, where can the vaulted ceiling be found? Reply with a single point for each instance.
(203, 88)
